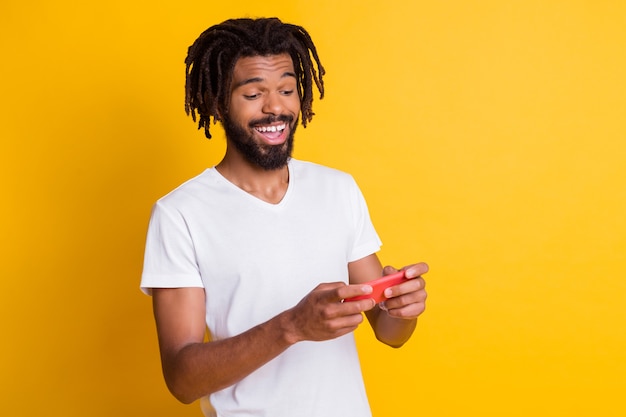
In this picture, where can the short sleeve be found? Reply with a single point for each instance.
(366, 240)
(169, 258)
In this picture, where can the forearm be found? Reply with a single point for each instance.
(193, 368)
(392, 331)
(199, 369)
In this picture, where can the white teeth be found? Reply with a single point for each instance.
(278, 128)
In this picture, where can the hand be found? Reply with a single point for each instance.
(321, 314)
(406, 300)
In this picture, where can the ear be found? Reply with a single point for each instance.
(219, 113)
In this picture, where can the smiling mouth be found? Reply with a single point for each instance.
(271, 129)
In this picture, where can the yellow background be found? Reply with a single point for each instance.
(487, 136)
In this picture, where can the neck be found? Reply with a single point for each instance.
(267, 185)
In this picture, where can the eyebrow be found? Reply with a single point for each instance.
(259, 79)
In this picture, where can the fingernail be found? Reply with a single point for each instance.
(410, 273)
(367, 289)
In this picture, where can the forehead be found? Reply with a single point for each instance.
(260, 68)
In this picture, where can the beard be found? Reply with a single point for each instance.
(267, 157)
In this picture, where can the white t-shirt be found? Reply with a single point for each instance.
(254, 260)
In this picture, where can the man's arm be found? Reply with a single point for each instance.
(406, 301)
(193, 368)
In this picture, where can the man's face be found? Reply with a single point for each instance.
(264, 109)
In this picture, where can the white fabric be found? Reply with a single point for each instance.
(255, 260)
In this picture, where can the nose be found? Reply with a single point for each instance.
(273, 104)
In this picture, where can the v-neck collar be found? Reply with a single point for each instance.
(255, 199)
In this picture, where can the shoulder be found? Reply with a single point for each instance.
(304, 170)
(189, 191)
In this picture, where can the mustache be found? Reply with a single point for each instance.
(271, 119)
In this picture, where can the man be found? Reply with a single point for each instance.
(261, 249)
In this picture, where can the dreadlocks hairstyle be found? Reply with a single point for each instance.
(211, 60)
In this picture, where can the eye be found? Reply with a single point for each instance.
(286, 92)
(251, 96)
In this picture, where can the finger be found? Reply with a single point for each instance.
(331, 327)
(402, 301)
(388, 270)
(354, 290)
(360, 306)
(328, 292)
(411, 311)
(415, 270)
(327, 286)
(344, 317)
(406, 287)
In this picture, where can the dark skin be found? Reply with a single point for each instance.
(194, 368)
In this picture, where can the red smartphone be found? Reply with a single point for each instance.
(379, 286)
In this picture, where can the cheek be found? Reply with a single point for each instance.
(243, 111)
(294, 105)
